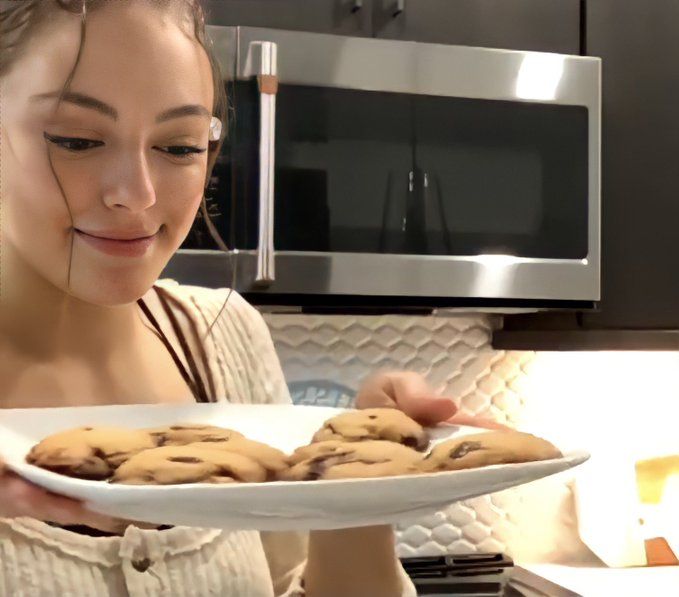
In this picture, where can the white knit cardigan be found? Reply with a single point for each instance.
(38, 560)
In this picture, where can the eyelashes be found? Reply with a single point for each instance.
(79, 144)
(72, 143)
(182, 151)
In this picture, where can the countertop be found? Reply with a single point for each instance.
(659, 581)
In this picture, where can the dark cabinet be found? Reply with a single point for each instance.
(342, 17)
(540, 25)
(639, 47)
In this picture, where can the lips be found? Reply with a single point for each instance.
(118, 243)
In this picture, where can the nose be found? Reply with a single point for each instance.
(129, 184)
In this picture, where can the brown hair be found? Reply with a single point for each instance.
(21, 20)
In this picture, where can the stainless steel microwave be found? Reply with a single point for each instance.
(377, 172)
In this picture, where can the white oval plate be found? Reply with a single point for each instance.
(270, 506)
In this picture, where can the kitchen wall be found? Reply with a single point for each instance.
(620, 406)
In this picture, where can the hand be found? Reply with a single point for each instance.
(20, 498)
(410, 393)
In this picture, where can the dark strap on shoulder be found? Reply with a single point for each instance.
(201, 394)
(198, 341)
(175, 357)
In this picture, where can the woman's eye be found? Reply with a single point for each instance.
(72, 143)
(181, 151)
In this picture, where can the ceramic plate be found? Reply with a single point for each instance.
(269, 506)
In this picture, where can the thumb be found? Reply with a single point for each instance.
(428, 410)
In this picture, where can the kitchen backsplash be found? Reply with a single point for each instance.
(596, 401)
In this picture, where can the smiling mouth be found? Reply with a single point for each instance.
(117, 247)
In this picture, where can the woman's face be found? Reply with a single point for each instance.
(127, 145)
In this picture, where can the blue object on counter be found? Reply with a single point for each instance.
(320, 392)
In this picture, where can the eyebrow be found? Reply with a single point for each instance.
(82, 100)
(87, 101)
(180, 111)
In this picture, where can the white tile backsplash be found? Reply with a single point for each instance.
(533, 523)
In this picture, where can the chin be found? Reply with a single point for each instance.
(113, 289)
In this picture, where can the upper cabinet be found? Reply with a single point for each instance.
(639, 308)
(540, 25)
(342, 17)
(639, 45)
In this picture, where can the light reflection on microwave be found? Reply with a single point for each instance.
(493, 273)
(539, 76)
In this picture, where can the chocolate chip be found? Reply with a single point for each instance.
(372, 416)
(214, 438)
(227, 472)
(185, 459)
(87, 429)
(464, 448)
(316, 469)
(80, 472)
(420, 443)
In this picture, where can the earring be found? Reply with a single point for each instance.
(215, 129)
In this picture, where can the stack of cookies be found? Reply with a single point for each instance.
(356, 444)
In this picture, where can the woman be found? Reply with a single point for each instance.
(108, 137)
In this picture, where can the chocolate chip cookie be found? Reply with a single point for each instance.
(270, 458)
(483, 449)
(351, 460)
(314, 450)
(374, 424)
(172, 465)
(89, 452)
(190, 433)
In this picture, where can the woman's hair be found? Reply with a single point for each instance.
(22, 20)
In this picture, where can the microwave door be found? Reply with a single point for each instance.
(404, 169)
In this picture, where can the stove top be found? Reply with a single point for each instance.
(478, 575)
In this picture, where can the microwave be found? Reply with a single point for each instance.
(369, 172)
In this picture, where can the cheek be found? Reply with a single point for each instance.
(181, 197)
(35, 218)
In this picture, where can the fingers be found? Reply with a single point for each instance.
(407, 384)
(412, 394)
(21, 498)
(376, 398)
(474, 421)
(428, 411)
(376, 392)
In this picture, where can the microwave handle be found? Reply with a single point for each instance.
(399, 7)
(358, 5)
(267, 81)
